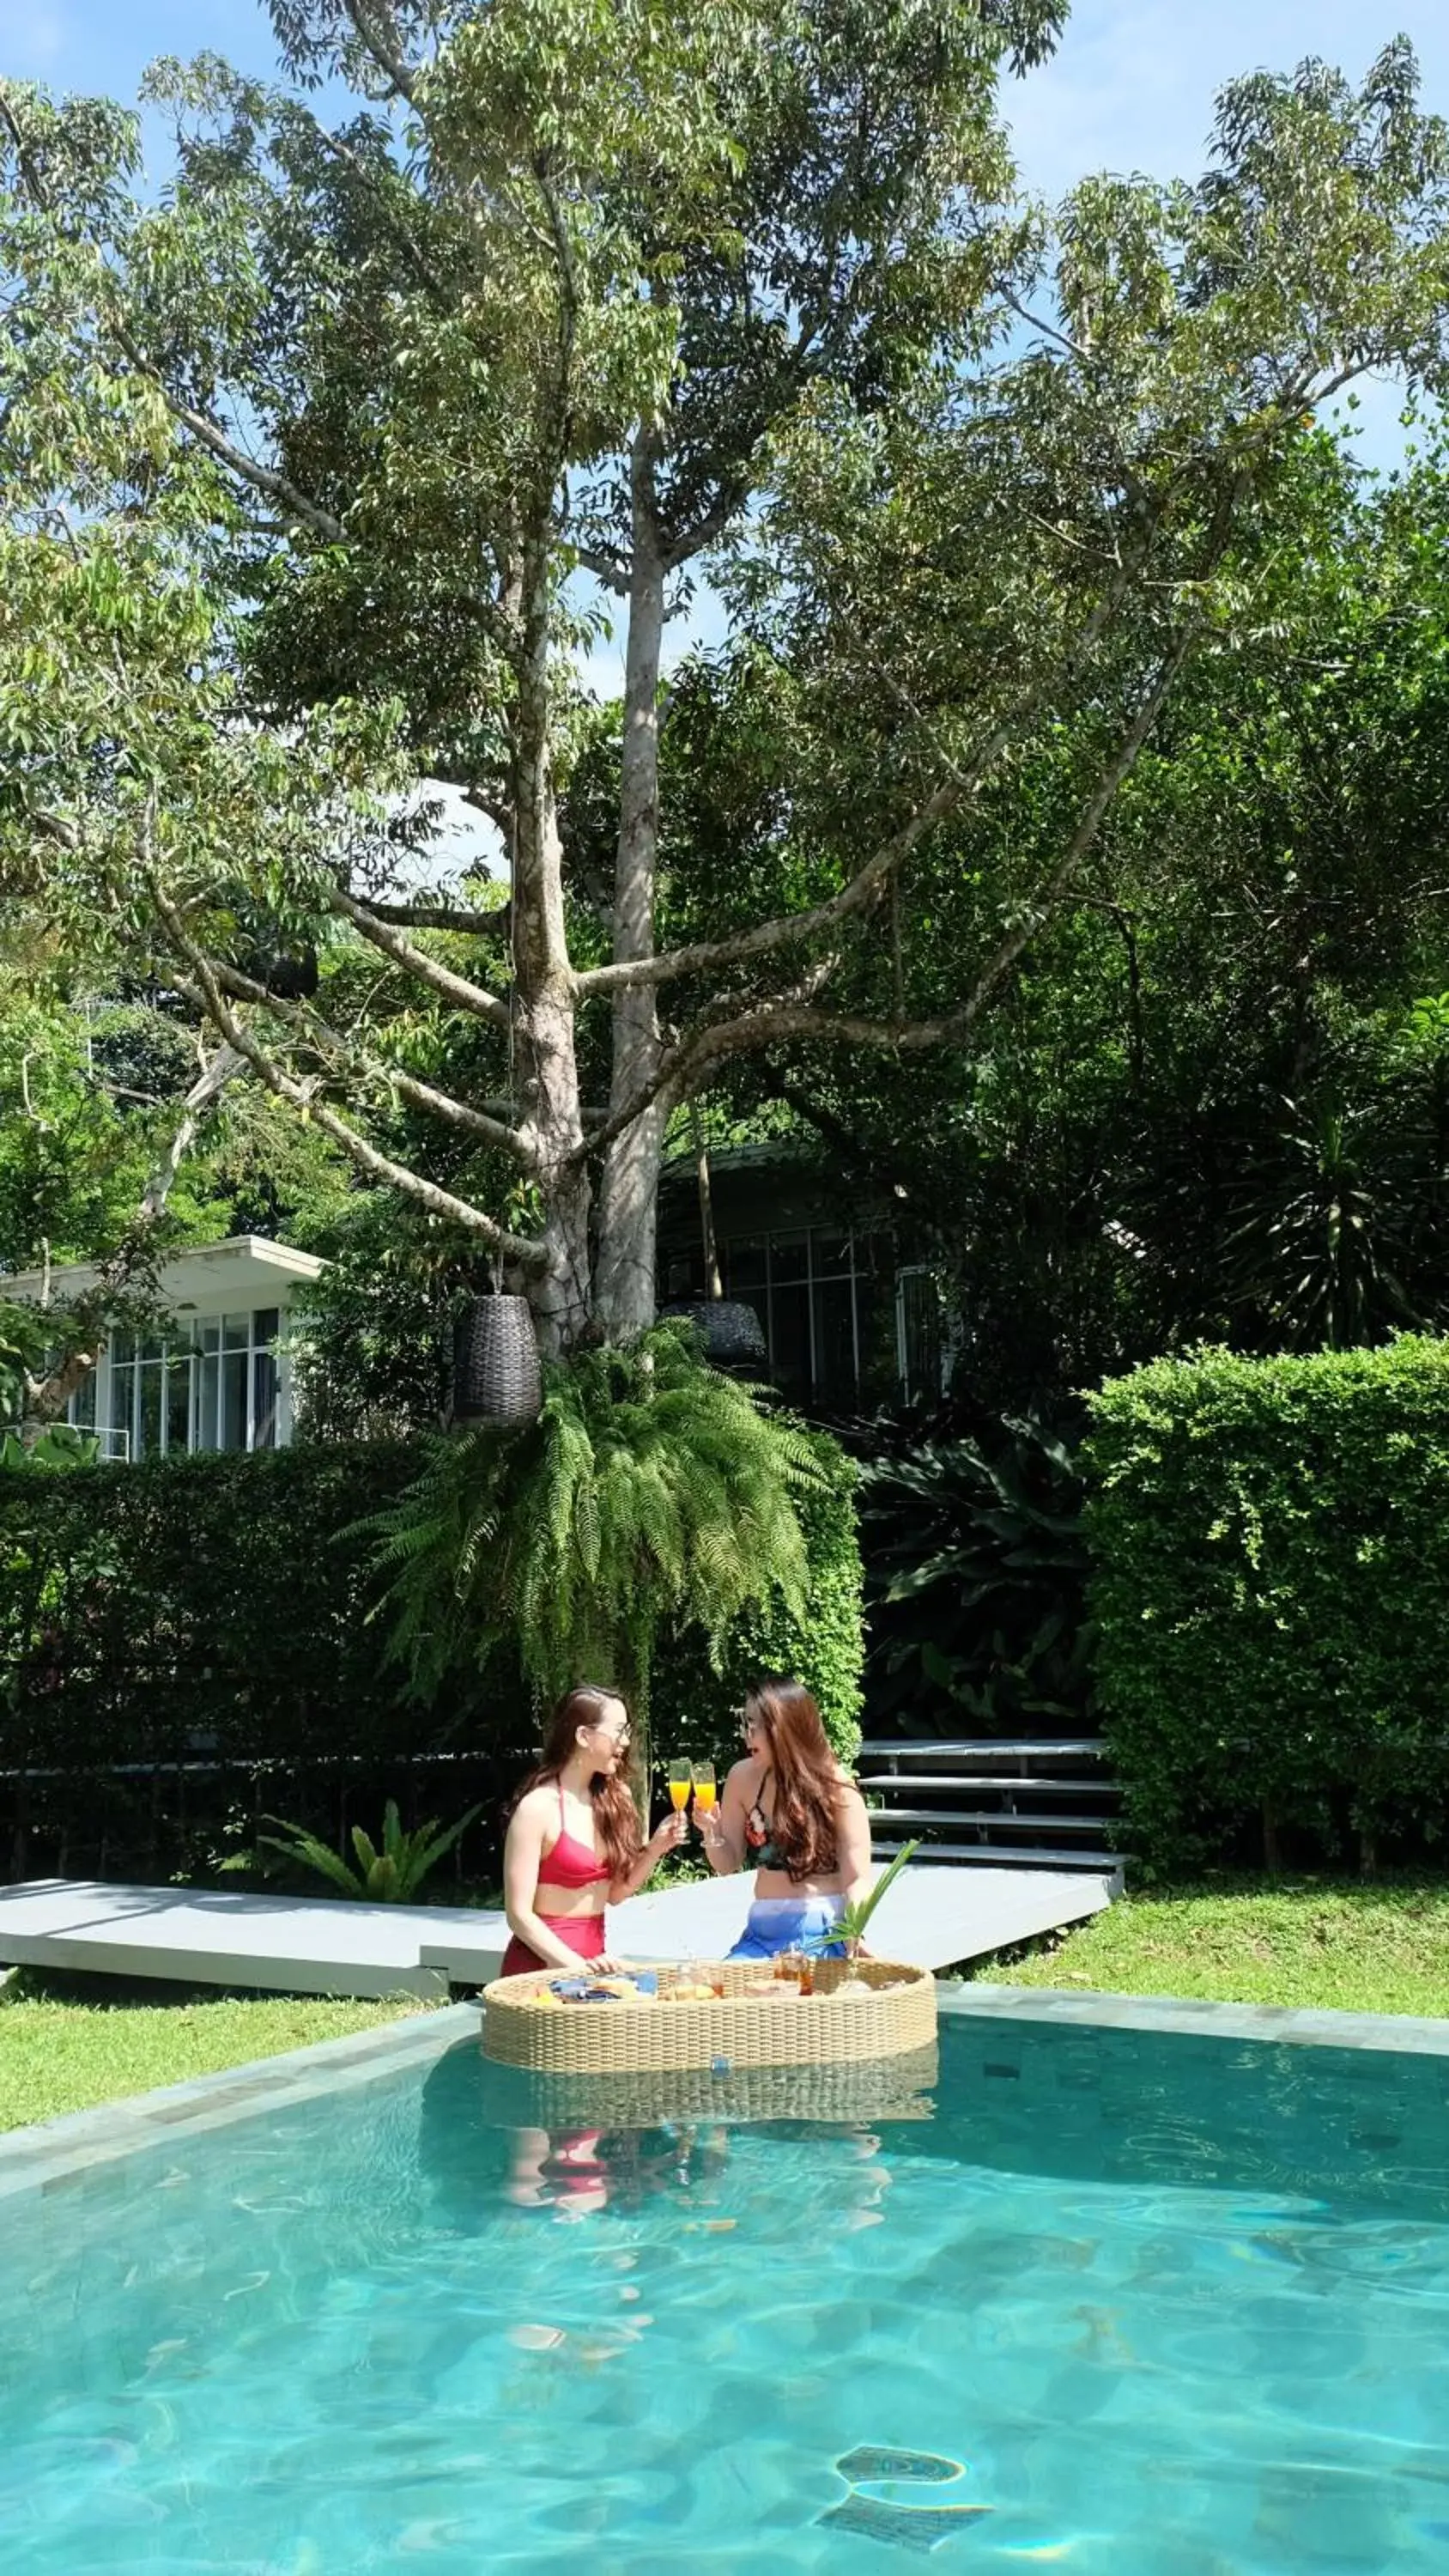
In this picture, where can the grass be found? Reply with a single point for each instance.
(1346, 1944)
(69, 2043)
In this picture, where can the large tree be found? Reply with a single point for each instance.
(311, 458)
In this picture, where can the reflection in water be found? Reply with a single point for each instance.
(575, 2147)
(576, 2173)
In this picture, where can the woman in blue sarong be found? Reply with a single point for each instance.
(790, 1812)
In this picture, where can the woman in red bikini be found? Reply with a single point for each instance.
(574, 1844)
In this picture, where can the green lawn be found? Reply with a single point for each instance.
(1354, 1946)
(66, 2044)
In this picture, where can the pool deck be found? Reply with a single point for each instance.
(931, 1918)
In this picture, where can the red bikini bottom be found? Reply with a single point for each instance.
(582, 1933)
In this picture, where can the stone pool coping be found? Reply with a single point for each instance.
(55, 2152)
(1404, 2034)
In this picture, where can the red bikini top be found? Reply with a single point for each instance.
(571, 1863)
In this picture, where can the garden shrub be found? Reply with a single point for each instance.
(1270, 1582)
(214, 1611)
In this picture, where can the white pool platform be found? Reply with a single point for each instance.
(328, 1946)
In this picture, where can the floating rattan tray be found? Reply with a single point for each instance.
(846, 2094)
(731, 2030)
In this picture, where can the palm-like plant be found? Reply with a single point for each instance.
(650, 1489)
(389, 1876)
(848, 1931)
(1316, 1238)
(976, 1572)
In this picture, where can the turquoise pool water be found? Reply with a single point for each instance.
(1171, 2307)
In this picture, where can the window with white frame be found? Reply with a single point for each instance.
(212, 1386)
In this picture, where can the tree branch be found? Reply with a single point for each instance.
(790, 929)
(262, 478)
(416, 258)
(343, 1052)
(387, 58)
(206, 994)
(605, 568)
(414, 961)
(443, 916)
(47, 1397)
(774, 1022)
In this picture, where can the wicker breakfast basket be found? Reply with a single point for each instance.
(736, 2029)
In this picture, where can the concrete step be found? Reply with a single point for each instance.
(1008, 1820)
(1006, 1856)
(1034, 1781)
(984, 1748)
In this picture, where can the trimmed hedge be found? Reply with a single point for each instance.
(1270, 1552)
(205, 1611)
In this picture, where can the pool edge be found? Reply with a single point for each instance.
(42, 2156)
(1297, 2025)
(45, 2156)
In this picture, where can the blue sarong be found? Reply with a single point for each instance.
(779, 1923)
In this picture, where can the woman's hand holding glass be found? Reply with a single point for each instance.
(668, 1836)
(711, 1824)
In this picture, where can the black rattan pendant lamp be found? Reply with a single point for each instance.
(731, 1332)
(496, 1373)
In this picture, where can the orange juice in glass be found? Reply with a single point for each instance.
(704, 1788)
(681, 1779)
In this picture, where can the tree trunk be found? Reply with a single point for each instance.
(545, 1061)
(629, 1189)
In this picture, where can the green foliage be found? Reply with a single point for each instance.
(180, 1606)
(59, 1445)
(300, 459)
(215, 1610)
(819, 1641)
(1270, 1581)
(390, 1876)
(976, 1571)
(652, 1490)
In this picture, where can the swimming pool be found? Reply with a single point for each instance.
(1122, 2304)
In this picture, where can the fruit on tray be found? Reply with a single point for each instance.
(689, 1994)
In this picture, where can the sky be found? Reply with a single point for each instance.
(1131, 88)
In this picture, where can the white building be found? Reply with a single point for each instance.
(211, 1376)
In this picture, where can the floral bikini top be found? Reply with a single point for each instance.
(760, 1843)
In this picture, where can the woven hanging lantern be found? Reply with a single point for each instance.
(731, 1331)
(496, 1375)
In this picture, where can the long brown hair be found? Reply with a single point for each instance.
(805, 1800)
(615, 1813)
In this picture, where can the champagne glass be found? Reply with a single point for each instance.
(704, 1788)
(681, 1781)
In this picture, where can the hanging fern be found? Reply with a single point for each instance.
(650, 1490)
